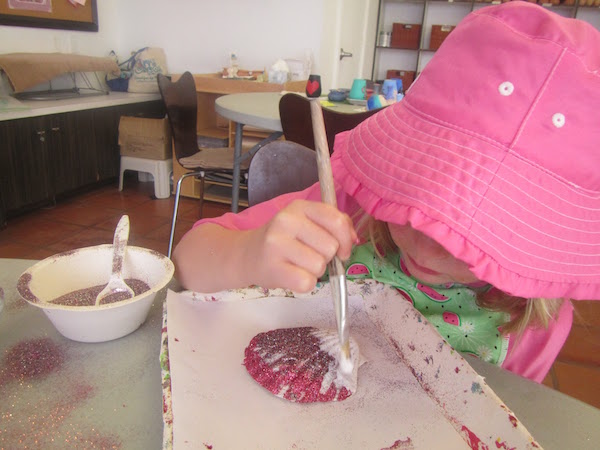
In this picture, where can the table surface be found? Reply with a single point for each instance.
(261, 109)
(110, 394)
(97, 395)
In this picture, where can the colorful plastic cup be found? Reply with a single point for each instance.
(359, 89)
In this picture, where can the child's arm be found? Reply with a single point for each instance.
(290, 251)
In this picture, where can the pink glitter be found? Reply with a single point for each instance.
(291, 359)
(472, 440)
(400, 444)
(35, 358)
(503, 445)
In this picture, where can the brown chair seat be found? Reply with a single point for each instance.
(213, 159)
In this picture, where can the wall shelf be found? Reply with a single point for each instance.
(428, 13)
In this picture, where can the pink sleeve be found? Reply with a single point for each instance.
(533, 354)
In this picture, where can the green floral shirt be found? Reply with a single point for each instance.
(451, 308)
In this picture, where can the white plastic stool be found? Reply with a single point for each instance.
(160, 170)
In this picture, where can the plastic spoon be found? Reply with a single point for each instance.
(116, 284)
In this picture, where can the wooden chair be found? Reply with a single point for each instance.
(296, 123)
(182, 109)
(281, 167)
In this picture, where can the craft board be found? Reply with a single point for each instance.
(408, 402)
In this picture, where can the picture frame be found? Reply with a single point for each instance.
(53, 14)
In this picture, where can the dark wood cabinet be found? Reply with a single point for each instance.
(24, 178)
(45, 157)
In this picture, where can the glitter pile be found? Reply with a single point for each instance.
(31, 359)
(87, 296)
(301, 365)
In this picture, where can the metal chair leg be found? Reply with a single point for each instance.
(175, 208)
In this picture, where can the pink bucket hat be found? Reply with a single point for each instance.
(495, 152)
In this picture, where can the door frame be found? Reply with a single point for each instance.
(331, 41)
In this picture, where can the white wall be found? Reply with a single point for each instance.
(197, 35)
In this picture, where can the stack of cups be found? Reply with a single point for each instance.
(390, 91)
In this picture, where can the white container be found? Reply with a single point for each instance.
(87, 267)
(297, 70)
(385, 39)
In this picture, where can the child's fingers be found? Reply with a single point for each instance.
(298, 242)
(338, 225)
(291, 265)
(319, 226)
(307, 258)
(296, 278)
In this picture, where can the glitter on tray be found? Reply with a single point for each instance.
(299, 365)
(31, 359)
(28, 420)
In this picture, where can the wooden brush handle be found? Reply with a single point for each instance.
(324, 166)
(322, 149)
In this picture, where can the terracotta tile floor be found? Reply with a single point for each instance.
(90, 219)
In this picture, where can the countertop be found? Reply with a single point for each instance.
(19, 109)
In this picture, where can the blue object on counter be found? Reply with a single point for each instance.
(376, 101)
(338, 95)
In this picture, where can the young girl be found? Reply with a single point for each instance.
(478, 195)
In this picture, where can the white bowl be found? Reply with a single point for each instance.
(87, 267)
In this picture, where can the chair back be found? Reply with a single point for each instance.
(296, 123)
(336, 122)
(294, 112)
(182, 109)
(278, 168)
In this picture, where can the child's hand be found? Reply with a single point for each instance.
(292, 250)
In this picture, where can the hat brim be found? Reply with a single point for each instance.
(517, 226)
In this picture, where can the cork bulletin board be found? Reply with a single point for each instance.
(81, 15)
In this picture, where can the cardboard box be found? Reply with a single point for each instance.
(406, 35)
(145, 138)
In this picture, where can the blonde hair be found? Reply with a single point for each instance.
(524, 312)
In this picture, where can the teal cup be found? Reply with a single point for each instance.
(359, 89)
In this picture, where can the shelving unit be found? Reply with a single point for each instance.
(427, 13)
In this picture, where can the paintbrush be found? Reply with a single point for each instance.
(337, 277)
